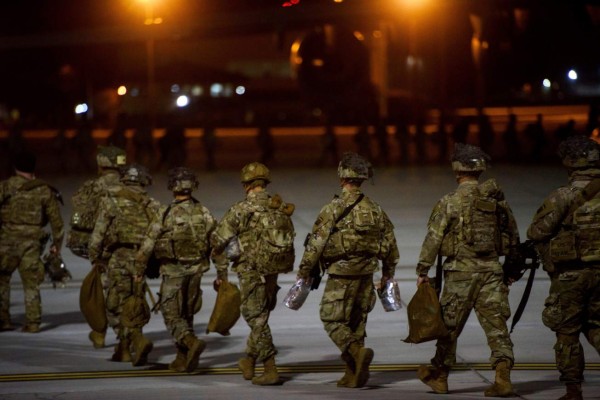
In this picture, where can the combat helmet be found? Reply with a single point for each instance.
(354, 166)
(110, 157)
(182, 180)
(579, 152)
(135, 173)
(254, 171)
(469, 158)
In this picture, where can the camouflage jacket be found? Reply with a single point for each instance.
(548, 219)
(24, 213)
(113, 205)
(235, 222)
(445, 219)
(345, 251)
(163, 230)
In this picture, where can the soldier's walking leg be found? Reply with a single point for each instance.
(31, 270)
(5, 322)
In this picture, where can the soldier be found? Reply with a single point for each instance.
(243, 224)
(123, 220)
(573, 304)
(27, 204)
(86, 203)
(348, 238)
(471, 226)
(179, 237)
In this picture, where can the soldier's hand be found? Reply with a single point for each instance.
(384, 280)
(217, 284)
(53, 249)
(422, 279)
(138, 278)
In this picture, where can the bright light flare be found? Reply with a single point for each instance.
(182, 101)
(81, 108)
(546, 83)
(572, 75)
(413, 4)
(121, 90)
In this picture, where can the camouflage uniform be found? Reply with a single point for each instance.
(179, 237)
(473, 279)
(130, 200)
(108, 159)
(23, 214)
(350, 251)
(573, 304)
(258, 291)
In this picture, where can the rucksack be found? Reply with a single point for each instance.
(183, 240)
(269, 237)
(131, 222)
(482, 224)
(579, 237)
(86, 203)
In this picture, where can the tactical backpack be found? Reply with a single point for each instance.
(183, 239)
(360, 234)
(86, 203)
(481, 225)
(579, 237)
(269, 237)
(24, 211)
(131, 223)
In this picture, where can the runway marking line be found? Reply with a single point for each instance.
(234, 370)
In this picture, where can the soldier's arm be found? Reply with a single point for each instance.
(389, 253)
(226, 229)
(100, 229)
(147, 246)
(316, 241)
(436, 228)
(548, 218)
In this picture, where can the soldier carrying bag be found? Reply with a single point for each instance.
(91, 301)
(425, 320)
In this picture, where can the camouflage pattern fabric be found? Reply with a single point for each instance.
(345, 306)
(23, 215)
(351, 255)
(485, 293)
(364, 236)
(472, 281)
(86, 202)
(122, 262)
(573, 304)
(180, 299)
(257, 291)
(186, 225)
(258, 295)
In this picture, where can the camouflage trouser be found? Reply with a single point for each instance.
(488, 296)
(24, 256)
(180, 299)
(120, 286)
(259, 296)
(345, 306)
(573, 307)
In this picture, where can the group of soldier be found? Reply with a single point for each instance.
(352, 237)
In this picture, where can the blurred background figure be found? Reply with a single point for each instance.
(85, 147)
(381, 134)
(511, 140)
(486, 133)
(209, 140)
(172, 147)
(536, 133)
(265, 142)
(143, 142)
(329, 147)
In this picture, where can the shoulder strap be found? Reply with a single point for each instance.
(346, 211)
(586, 194)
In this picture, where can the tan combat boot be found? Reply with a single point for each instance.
(194, 347)
(362, 357)
(349, 373)
(246, 365)
(142, 346)
(270, 376)
(97, 339)
(502, 386)
(178, 364)
(573, 392)
(122, 353)
(435, 378)
(31, 328)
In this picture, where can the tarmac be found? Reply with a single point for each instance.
(60, 362)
